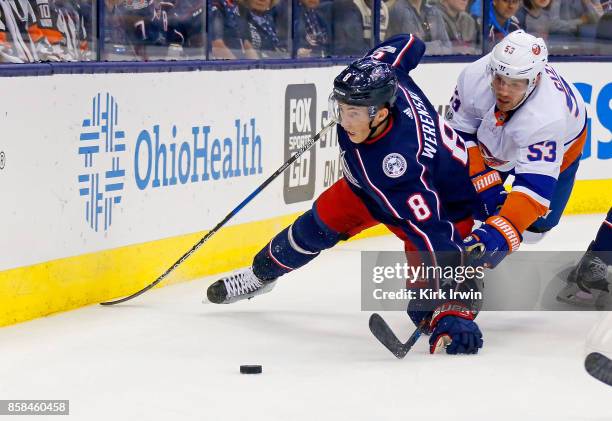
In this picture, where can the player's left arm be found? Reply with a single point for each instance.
(536, 174)
(535, 179)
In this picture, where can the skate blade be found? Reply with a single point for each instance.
(265, 289)
(573, 295)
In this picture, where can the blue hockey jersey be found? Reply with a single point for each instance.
(414, 175)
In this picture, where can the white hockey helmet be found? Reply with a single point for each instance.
(519, 56)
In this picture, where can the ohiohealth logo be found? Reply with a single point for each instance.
(101, 145)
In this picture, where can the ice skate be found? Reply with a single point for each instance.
(587, 283)
(239, 285)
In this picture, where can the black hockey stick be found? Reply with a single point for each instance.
(381, 330)
(229, 216)
(599, 366)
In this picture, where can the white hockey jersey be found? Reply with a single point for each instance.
(535, 142)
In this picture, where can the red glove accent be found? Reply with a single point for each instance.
(451, 308)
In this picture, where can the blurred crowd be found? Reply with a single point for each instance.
(61, 30)
(45, 30)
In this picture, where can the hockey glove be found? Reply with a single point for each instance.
(495, 239)
(488, 184)
(453, 329)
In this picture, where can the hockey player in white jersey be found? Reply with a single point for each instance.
(519, 117)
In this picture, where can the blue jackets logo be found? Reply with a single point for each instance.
(102, 148)
(394, 165)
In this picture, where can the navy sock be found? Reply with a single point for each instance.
(294, 247)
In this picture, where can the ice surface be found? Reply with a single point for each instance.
(166, 356)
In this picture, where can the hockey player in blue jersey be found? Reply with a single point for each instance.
(403, 167)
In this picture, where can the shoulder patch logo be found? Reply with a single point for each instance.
(394, 165)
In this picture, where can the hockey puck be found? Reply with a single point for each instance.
(250, 369)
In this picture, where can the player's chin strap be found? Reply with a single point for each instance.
(374, 128)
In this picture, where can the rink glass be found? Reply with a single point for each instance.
(156, 30)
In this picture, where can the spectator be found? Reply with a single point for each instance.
(87, 15)
(114, 33)
(21, 38)
(424, 21)
(461, 28)
(353, 26)
(534, 17)
(567, 16)
(502, 20)
(229, 33)
(262, 29)
(312, 32)
(604, 26)
(476, 11)
(475, 8)
(71, 24)
(146, 25)
(15, 43)
(604, 32)
(186, 24)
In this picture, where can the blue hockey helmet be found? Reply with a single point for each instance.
(366, 82)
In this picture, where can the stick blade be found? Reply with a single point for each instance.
(381, 331)
(599, 366)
